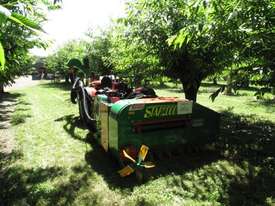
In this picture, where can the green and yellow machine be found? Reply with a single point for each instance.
(128, 125)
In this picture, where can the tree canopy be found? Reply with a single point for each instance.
(186, 40)
(20, 23)
(194, 39)
(132, 57)
(58, 61)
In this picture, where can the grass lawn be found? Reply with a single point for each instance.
(54, 161)
(244, 103)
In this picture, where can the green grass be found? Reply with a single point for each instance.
(244, 103)
(55, 162)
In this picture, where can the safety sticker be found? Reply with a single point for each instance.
(185, 107)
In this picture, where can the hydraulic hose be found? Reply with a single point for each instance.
(74, 90)
(85, 105)
(77, 92)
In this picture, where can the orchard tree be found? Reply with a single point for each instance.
(188, 56)
(193, 39)
(98, 51)
(58, 61)
(130, 56)
(247, 27)
(20, 24)
(257, 22)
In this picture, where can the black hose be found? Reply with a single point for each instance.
(77, 92)
(74, 89)
(85, 105)
(76, 82)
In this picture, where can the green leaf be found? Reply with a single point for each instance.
(20, 19)
(171, 40)
(182, 39)
(4, 11)
(2, 57)
(4, 14)
(179, 40)
(2, 18)
(216, 93)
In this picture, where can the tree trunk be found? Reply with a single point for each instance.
(66, 78)
(137, 81)
(191, 90)
(191, 93)
(1, 88)
(228, 89)
(215, 81)
(161, 82)
(273, 93)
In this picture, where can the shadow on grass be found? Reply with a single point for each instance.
(210, 84)
(8, 102)
(19, 118)
(71, 123)
(250, 142)
(269, 105)
(61, 85)
(97, 158)
(11, 97)
(21, 112)
(108, 166)
(21, 185)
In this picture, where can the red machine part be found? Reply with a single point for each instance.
(91, 91)
(95, 84)
(161, 100)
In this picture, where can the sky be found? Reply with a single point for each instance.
(74, 19)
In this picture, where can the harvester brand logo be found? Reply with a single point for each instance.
(160, 111)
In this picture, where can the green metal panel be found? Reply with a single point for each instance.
(113, 134)
(104, 130)
(101, 109)
(134, 113)
(160, 122)
(118, 106)
(102, 98)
